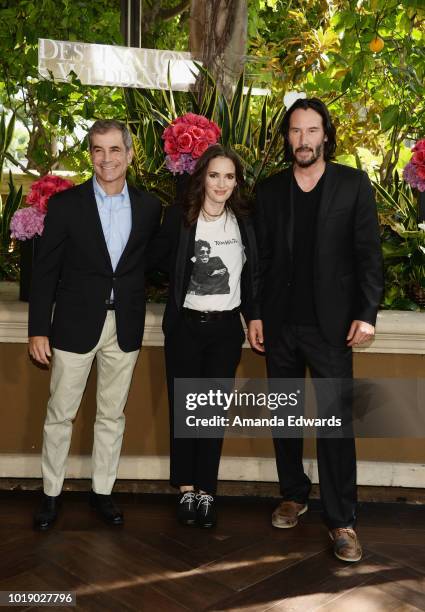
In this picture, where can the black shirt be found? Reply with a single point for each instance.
(302, 310)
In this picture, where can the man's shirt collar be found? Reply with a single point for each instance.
(123, 196)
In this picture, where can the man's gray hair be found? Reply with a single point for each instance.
(101, 126)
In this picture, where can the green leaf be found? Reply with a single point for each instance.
(224, 120)
(263, 127)
(346, 82)
(53, 117)
(236, 103)
(244, 123)
(212, 104)
(389, 117)
(9, 132)
(3, 131)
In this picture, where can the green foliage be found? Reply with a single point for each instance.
(51, 110)
(322, 48)
(6, 135)
(403, 244)
(165, 24)
(8, 252)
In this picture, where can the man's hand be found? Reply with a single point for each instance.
(360, 332)
(255, 335)
(39, 349)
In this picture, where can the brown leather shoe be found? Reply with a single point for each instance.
(287, 513)
(346, 544)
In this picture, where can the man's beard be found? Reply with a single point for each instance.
(316, 154)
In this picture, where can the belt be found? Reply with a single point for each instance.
(110, 304)
(213, 315)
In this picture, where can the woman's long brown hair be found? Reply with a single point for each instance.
(195, 195)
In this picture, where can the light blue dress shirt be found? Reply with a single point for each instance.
(115, 217)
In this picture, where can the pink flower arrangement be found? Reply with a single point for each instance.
(26, 223)
(414, 171)
(29, 221)
(186, 139)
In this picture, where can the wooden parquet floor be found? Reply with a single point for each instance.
(152, 564)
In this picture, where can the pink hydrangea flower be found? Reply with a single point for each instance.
(183, 163)
(26, 223)
(410, 175)
(414, 171)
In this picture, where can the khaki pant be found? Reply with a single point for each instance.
(68, 381)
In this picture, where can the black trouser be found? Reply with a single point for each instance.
(287, 357)
(199, 350)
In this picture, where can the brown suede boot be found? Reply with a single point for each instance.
(287, 513)
(346, 544)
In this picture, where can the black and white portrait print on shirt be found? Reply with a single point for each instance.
(218, 259)
(209, 275)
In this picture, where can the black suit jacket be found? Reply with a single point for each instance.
(172, 251)
(74, 269)
(348, 271)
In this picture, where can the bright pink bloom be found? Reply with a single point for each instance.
(44, 188)
(185, 143)
(419, 157)
(170, 146)
(420, 171)
(200, 147)
(195, 132)
(210, 135)
(419, 146)
(179, 120)
(203, 122)
(190, 118)
(167, 133)
(179, 129)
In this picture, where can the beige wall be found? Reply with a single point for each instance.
(24, 392)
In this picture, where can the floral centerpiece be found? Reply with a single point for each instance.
(185, 139)
(414, 171)
(28, 222)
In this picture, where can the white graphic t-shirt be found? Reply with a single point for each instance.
(215, 283)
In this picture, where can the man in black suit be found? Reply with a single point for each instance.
(91, 265)
(322, 281)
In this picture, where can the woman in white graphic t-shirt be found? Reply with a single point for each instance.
(208, 244)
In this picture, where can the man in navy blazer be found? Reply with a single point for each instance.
(90, 264)
(321, 284)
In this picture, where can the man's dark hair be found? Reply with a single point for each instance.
(101, 126)
(317, 105)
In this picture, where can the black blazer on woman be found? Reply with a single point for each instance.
(74, 269)
(348, 272)
(173, 250)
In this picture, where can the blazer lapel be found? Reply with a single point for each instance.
(183, 266)
(136, 223)
(93, 221)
